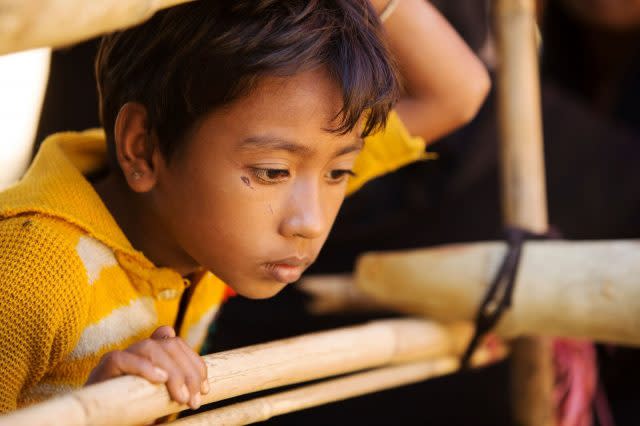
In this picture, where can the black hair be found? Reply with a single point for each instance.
(190, 59)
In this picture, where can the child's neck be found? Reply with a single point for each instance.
(141, 225)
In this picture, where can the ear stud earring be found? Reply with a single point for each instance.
(136, 174)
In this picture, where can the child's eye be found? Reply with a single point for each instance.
(339, 175)
(270, 176)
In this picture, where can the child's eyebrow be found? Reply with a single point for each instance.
(357, 145)
(271, 143)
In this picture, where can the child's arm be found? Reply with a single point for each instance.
(163, 358)
(445, 83)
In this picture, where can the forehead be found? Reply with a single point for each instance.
(301, 109)
(310, 97)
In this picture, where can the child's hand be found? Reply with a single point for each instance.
(163, 358)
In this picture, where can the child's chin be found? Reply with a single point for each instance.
(260, 289)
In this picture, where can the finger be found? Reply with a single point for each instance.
(156, 352)
(191, 371)
(164, 332)
(198, 364)
(120, 363)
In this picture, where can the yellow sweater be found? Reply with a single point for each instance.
(73, 288)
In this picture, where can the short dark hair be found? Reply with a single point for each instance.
(190, 59)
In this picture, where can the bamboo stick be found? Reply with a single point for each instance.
(29, 24)
(264, 408)
(523, 186)
(523, 178)
(578, 289)
(336, 294)
(132, 400)
(358, 384)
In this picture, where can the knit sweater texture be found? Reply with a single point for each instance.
(73, 288)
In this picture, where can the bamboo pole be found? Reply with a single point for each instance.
(358, 384)
(133, 400)
(264, 408)
(522, 158)
(337, 294)
(523, 186)
(578, 289)
(29, 24)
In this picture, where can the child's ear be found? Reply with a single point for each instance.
(136, 147)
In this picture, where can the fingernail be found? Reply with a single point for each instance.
(183, 394)
(196, 401)
(161, 374)
(205, 387)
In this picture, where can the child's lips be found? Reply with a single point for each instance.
(284, 273)
(287, 270)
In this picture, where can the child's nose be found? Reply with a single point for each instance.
(304, 215)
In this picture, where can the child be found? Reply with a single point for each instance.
(231, 130)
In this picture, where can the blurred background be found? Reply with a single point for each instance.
(590, 75)
(23, 81)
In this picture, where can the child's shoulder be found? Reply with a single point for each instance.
(41, 255)
(44, 296)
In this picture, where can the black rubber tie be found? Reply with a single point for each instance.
(498, 297)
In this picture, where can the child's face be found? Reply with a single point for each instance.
(255, 191)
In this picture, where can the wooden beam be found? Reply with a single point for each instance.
(523, 186)
(577, 289)
(132, 400)
(28, 24)
(333, 390)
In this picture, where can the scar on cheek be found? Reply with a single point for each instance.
(270, 209)
(246, 181)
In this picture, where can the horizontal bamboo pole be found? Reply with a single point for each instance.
(579, 289)
(28, 24)
(358, 384)
(132, 400)
(264, 408)
(336, 294)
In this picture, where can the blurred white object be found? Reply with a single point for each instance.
(23, 81)
(26, 24)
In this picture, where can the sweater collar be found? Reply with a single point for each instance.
(55, 185)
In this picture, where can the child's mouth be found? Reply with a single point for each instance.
(287, 270)
(284, 273)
